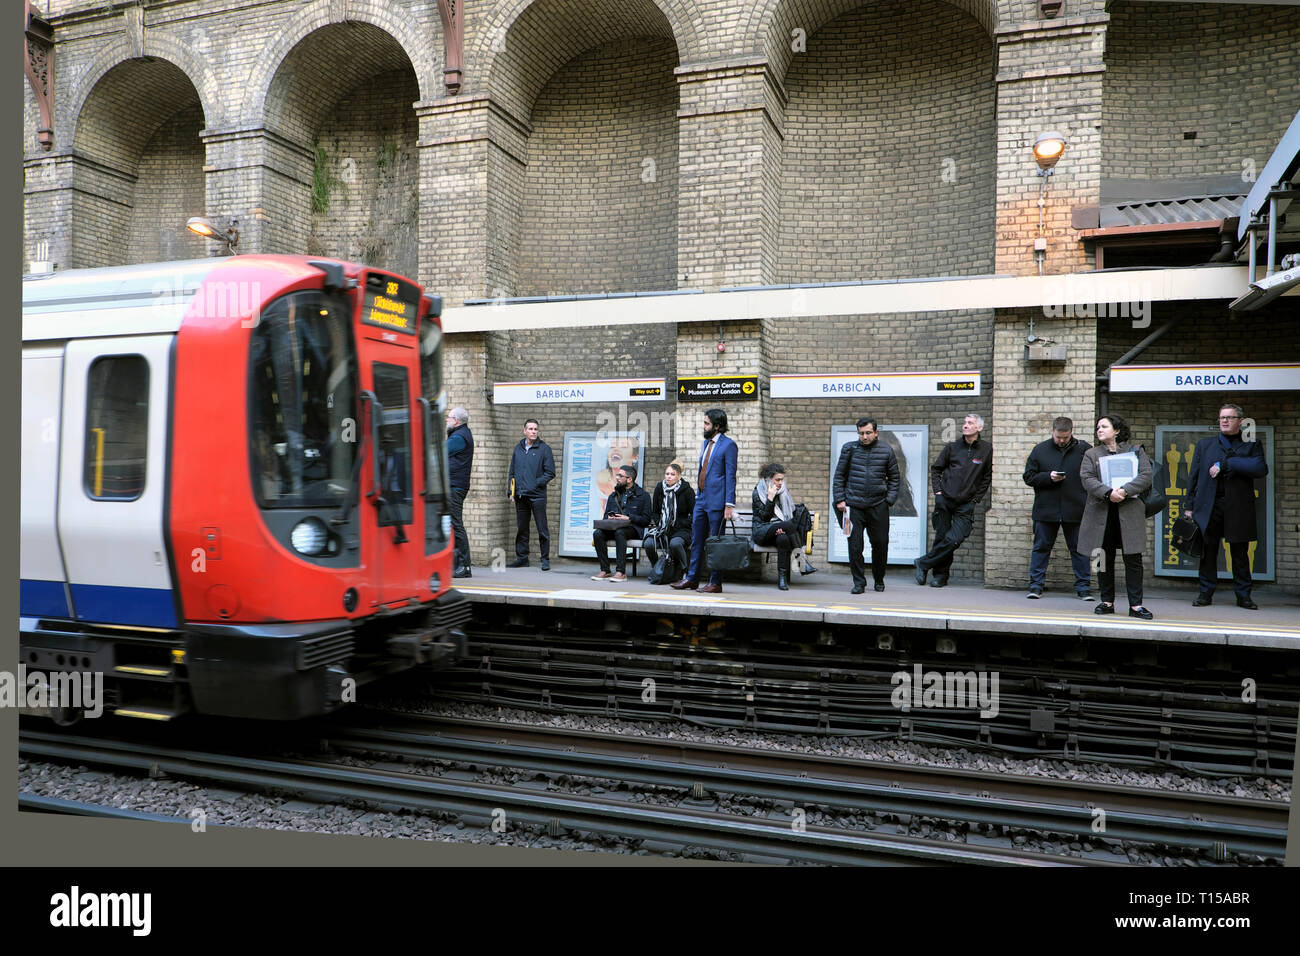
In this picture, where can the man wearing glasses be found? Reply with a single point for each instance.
(1221, 488)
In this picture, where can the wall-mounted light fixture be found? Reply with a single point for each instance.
(1048, 148)
(204, 227)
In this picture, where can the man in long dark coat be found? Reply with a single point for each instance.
(1221, 488)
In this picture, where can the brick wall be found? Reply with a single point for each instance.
(169, 191)
(889, 147)
(1219, 70)
(600, 192)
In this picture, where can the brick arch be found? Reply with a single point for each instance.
(419, 47)
(766, 29)
(68, 110)
(559, 32)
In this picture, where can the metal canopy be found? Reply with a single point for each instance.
(1280, 168)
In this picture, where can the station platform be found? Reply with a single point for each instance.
(824, 598)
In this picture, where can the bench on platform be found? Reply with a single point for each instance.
(744, 526)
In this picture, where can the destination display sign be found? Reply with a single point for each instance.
(717, 388)
(390, 303)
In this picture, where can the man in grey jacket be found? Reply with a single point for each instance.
(866, 486)
(532, 466)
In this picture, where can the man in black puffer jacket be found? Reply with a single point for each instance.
(866, 486)
(1052, 470)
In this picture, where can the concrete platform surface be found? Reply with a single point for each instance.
(824, 598)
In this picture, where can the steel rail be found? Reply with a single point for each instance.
(674, 825)
(1197, 822)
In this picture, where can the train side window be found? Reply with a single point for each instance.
(117, 428)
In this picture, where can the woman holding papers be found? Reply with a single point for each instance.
(1114, 474)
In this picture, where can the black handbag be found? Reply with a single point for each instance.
(726, 552)
(1186, 537)
(611, 524)
(664, 570)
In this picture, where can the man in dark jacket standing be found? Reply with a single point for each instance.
(1221, 488)
(531, 466)
(628, 500)
(866, 486)
(960, 477)
(1053, 472)
(460, 462)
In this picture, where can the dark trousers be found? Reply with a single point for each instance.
(875, 522)
(703, 525)
(952, 526)
(676, 547)
(783, 543)
(456, 509)
(1111, 540)
(601, 539)
(537, 508)
(1209, 570)
(1044, 540)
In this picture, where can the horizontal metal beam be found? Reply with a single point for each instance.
(868, 298)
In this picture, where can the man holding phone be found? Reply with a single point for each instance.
(1053, 472)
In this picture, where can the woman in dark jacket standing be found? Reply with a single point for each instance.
(1115, 517)
(671, 508)
(773, 508)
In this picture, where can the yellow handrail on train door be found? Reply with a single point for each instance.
(99, 462)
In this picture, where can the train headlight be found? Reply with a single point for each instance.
(310, 537)
(446, 526)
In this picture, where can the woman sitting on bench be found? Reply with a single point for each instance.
(773, 522)
(672, 507)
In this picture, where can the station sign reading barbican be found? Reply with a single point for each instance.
(564, 393)
(1201, 378)
(883, 384)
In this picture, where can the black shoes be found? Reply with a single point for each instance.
(546, 564)
(1034, 594)
(1104, 609)
(783, 580)
(1248, 604)
(939, 582)
(518, 563)
(858, 588)
(462, 572)
(880, 585)
(808, 569)
(920, 571)
(1203, 600)
(1140, 612)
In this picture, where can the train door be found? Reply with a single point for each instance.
(43, 581)
(112, 486)
(391, 377)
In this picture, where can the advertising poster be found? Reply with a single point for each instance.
(907, 519)
(1175, 445)
(590, 460)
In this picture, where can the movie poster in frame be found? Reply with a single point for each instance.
(590, 460)
(907, 519)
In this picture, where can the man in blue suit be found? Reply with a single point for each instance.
(715, 498)
(1221, 488)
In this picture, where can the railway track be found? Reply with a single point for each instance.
(816, 785)
(1189, 725)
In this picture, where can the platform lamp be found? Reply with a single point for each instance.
(203, 227)
(1048, 149)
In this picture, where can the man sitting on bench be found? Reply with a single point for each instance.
(629, 503)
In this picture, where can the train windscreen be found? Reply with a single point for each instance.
(304, 430)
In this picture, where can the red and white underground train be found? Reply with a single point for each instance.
(233, 484)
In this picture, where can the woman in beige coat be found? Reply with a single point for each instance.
(1115, 518)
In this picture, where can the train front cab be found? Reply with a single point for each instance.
(290, 507)
(328, 566)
